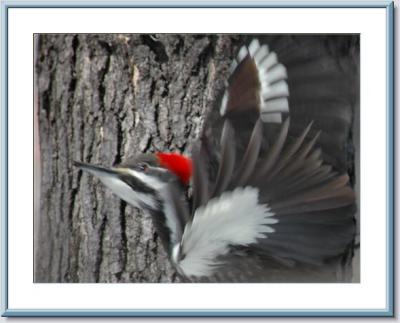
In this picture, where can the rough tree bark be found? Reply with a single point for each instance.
(101, 99)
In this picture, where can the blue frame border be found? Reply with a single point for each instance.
(5, 311)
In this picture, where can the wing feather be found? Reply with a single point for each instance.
(290, 151)
(257, 84)
(227, 162)
(307, 218)
(273, 154)
(316, 188)
(220, 224)
(250, 158)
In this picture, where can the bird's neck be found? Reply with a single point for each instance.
(168, 223)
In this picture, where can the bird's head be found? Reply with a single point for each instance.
(139, 181)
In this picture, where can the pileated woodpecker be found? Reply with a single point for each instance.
(263, 197)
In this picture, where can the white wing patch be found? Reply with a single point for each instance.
(234, 218)
(272, 75)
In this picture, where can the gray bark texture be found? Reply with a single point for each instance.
(101, 99)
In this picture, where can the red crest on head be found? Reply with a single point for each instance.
(180, 165)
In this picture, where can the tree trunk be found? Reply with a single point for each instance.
(101, 99)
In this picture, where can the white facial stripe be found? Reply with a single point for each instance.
(171, 219)
(125, 192)
(139, 199)
(235, 218)
(151, 181)
(175, 253)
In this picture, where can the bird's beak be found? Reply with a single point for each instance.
(114, 179)
(96, 170)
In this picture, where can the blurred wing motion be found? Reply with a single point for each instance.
(270, 205)
(257, 83)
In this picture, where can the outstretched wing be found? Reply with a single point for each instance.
(323, 80)
(270, 202)
(256, 89)
(289, 207)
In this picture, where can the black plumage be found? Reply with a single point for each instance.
(301, 172)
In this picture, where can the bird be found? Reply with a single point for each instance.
(266, 203)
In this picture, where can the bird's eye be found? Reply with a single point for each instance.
(143, 167)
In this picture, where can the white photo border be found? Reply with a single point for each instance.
(387, 311)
